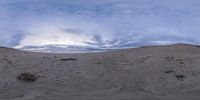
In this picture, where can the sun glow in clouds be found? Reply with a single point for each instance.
(52, 35)
(65, 32)
(58, 38)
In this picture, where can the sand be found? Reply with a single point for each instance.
(148, 73)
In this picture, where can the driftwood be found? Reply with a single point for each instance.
(68, 59)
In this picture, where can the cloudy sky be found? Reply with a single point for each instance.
(98, 24)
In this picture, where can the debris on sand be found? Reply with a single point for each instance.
(169, 58)
(169, 71)
(142, 59)
(97, 63)
(181, 77)
(123, 63)
(178, 77)
(27, 77)
(7, 60)
(180, 61)
(68, 59)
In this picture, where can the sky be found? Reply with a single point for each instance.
(64, 25)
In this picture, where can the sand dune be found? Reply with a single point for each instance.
(147, 73)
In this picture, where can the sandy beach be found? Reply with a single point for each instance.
(147, 73)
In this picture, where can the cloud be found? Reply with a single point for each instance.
(99, 24)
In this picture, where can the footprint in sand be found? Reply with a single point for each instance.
(30, 95)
